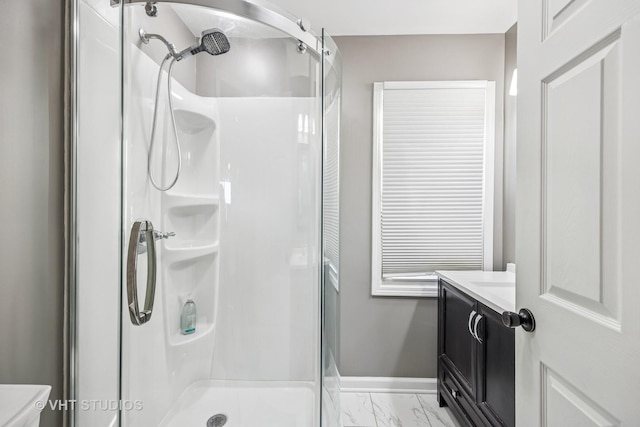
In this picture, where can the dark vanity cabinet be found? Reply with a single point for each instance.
(476, 360)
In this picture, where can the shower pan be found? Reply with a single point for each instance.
(204, 204)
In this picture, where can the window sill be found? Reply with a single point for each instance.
(406, 287)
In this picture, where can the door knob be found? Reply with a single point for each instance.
(523, 318)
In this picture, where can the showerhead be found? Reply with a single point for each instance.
(212, 41)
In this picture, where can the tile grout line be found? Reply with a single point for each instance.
(423, 410)
(373, 409)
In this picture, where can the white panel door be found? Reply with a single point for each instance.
(578, 213)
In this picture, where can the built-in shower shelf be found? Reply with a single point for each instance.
(187, 253)
(193, 122)
(186, 202)
(203, 329)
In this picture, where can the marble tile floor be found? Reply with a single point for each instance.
(394, 410)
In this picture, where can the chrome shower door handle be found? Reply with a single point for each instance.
(140, 228)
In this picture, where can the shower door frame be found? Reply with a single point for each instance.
(254, 10)
(262, 12)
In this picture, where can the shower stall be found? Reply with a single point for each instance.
(204, 251)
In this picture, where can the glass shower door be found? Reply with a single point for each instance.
(222, 271)
(331, 107)
(154, 240)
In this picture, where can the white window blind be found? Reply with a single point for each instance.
(331, 187)
(432, 172)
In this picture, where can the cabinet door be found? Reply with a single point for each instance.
(457, 347)
(496, 368)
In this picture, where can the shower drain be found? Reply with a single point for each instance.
(217, 420)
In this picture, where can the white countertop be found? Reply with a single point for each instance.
(495, 289)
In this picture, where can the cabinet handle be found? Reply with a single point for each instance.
(475, 328)
(473, 313)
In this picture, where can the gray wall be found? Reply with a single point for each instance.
(395, 336)
(510, 42)
(31, 196)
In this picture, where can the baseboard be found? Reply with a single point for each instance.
(388, 385)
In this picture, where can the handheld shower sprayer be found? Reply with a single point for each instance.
(212, 41)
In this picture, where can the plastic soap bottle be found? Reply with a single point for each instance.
(188, 318)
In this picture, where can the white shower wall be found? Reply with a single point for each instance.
(158, 362)
(245, 212)
(269, 277)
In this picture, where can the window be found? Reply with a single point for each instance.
(432, 204)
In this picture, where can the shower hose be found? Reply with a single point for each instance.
(173, 124)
